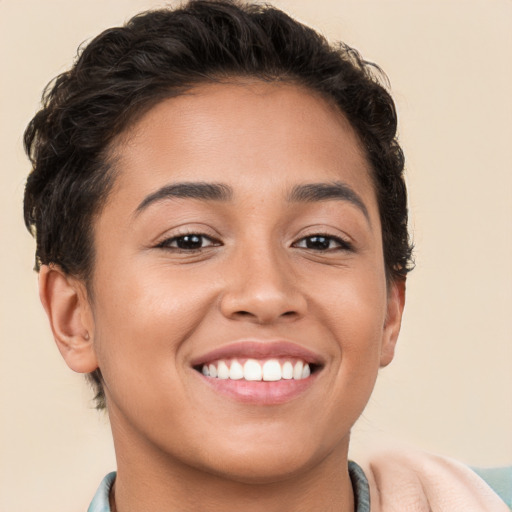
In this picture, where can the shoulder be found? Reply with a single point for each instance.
(407, 479)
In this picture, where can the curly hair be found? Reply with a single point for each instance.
(126, 70)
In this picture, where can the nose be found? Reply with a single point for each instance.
(262, 288)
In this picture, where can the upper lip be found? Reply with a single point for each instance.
(253, 349)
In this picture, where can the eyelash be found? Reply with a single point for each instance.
(166, 244)
(341, 245)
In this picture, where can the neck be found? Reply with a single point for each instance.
(151, 480)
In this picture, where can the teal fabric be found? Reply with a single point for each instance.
(500, 480)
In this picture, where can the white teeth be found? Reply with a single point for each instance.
(272, 370)
(252, 370)
(222, 370)
(287, 370)
(236, 372)
(297, 370)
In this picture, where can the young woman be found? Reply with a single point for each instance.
(221, 224)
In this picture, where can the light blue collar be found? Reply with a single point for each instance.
(100, 501)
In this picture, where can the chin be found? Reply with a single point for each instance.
(263, 462)
(263, 468)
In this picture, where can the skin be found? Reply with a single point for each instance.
(258, 276)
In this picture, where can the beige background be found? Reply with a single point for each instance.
(449, 389)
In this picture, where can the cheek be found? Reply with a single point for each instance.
(353, 312)
(353, 304)
(142, 318)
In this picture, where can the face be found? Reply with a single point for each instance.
(241, 311)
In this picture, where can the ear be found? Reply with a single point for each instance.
(65, 301)
(395, 308)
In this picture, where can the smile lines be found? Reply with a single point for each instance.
(269, 370)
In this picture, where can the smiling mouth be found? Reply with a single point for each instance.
(259, 372)
(254, 370)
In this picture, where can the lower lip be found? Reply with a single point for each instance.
(260, 392)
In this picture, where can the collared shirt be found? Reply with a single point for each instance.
(100, 502)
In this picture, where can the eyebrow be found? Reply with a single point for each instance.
(189, 190)
(312, 192)
(305, 193)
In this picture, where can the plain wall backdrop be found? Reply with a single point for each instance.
(449, 388)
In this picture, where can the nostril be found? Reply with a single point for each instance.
(262, 318)
(262, 306)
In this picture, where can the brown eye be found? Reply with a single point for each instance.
(323, 243)
(189, 242)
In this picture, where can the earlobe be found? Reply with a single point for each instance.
(64, 299)
(395, 308)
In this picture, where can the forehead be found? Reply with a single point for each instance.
(241, 131)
